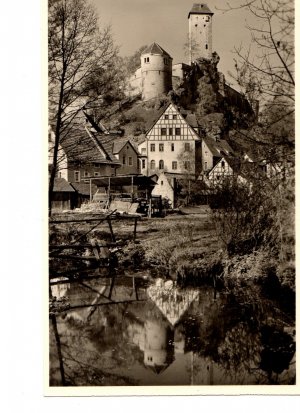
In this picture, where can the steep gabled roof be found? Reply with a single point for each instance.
(200, 8)
(155, 48)
(185, 115)
(219, 148)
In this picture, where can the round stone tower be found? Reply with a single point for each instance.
(200, 32)
(156, 65)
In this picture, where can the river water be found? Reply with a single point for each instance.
(136, 333)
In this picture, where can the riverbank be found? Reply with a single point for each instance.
(187, 249)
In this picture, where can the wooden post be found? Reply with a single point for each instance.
(90, 190)
(108, 187)
(132, 187)
(111, 230)
(135, 225)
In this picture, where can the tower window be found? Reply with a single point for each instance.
(206, 46)
(196, 25)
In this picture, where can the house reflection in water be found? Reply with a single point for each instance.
(157, 337)
(154, 337)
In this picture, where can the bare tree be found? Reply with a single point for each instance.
(81, 65)
(265, 69)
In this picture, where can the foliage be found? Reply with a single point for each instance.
(133, 62)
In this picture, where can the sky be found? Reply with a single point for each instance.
(136, 23)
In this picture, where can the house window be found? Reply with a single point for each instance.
(143, 163)
(152, 147)
(187, 165)
(177, 131)
(124, 160)
(187, 146)
(223, 164)
(166, 116)
(96, 174)
(146, 59)
(59, 174)
(172, 147)
(161, 147)
(174, 117)
(152, 165)
(97, 165)
(174, 165)
(85, 173)
(130, 163)
(161, 164)
(170, 131)
(77, 176)
(163, 131)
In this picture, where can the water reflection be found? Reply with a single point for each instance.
(122, 332)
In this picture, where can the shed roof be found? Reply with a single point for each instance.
(155, 48)
(84, 189)
(61, 185)
(200, 8)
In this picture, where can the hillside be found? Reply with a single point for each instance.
(216, 106)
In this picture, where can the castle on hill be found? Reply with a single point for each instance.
(157, 74)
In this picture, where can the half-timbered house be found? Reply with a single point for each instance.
(171, 145)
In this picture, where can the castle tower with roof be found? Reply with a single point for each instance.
(156, 70)
(200, 32)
